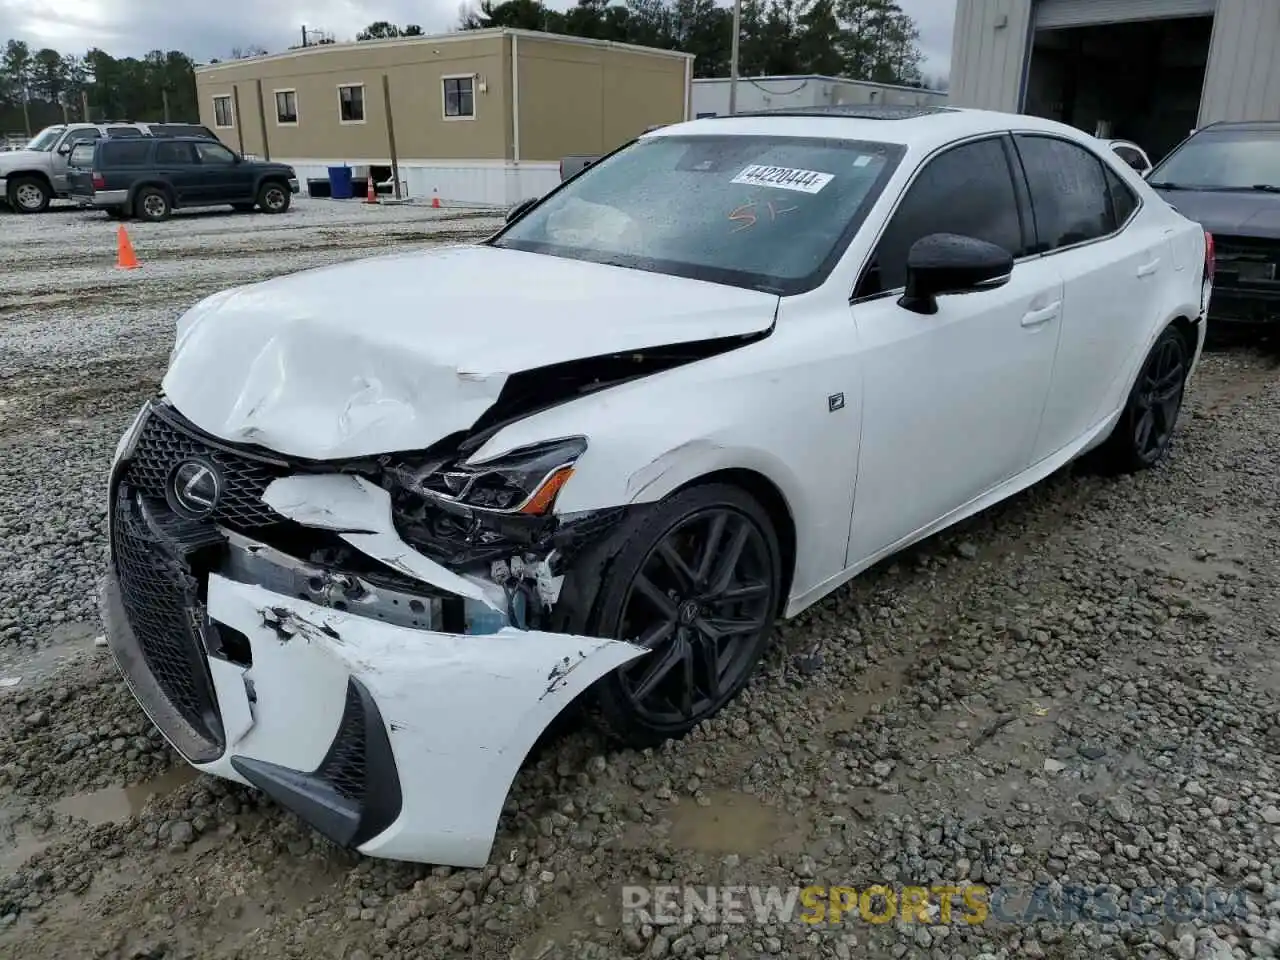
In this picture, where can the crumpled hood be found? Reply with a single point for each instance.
(1230, 213)
(393, 353)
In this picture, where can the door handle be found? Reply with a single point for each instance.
(1147, 269)
(1034, 318)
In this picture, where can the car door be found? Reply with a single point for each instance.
(176, 161)
(951, 401)
(59, 162)
(224, 177)
(1090, 224)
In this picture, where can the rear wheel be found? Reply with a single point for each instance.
(696, 582)
(1141, 436)
(152, 204)
(29, 195)
(273, 197)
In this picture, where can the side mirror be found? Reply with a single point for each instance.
(64, 149)
(520, 208)
(946, 263)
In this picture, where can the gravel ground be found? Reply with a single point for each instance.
(1077, 689)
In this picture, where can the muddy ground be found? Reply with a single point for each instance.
(1077, 689)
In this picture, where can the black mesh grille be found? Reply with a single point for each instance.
(163, 445)
(344, 765)
(162, 603)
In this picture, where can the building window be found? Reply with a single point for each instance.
(459, 97)
(222, 113)
(351, 103)
(286, 106)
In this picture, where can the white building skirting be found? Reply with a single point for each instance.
(484, 182)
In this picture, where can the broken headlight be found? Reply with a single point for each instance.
(524, 481)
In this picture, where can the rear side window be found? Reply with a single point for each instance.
(967, 190)
(175, 151)
(1068, 192)
(130, 152)
(1130, 156)
(1123, 200)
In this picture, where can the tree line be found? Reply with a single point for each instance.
(861, 39)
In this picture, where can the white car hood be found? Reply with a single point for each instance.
(393, 353)
(21, 158)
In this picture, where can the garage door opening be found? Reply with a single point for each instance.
(1138, 81)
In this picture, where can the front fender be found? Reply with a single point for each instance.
(781, 408)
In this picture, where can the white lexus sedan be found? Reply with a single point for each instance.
(387, 519)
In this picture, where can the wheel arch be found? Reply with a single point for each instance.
(33, 174)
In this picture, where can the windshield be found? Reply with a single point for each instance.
(769, 213)
(45, 139)
(1223, 160)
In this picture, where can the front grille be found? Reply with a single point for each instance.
(165, 442)
(162, 603)
(1247, 262)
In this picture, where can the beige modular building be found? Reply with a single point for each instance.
(477, 116)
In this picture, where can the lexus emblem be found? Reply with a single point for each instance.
(196, 487)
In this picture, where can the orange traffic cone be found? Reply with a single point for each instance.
(372, 194)
(125, 258)
(435, 198)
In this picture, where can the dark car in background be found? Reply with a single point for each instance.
(1226, 176)
(149, 178)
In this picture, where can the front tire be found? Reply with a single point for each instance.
(29, 195)
(696, 581)
(273, 198)
(1142, 435)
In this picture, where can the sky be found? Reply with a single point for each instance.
(205, 29)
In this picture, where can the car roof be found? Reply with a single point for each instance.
(916, 127)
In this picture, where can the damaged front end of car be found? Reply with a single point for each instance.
(375, 642)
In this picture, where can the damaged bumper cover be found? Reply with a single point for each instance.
(360, 706)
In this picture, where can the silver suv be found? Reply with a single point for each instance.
(37, 174)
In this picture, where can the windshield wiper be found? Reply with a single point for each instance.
(1266, 187)
(1165, 185)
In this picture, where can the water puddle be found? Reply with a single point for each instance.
(733, 823)
(115, 804)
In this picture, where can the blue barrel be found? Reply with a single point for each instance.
(340, 183)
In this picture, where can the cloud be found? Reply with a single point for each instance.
(205, 29)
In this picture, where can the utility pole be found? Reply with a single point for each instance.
(164, 99)
(304, 34)
(733, 57)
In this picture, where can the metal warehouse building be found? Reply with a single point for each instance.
(1144, 70)
(711, 95)
(479, 115)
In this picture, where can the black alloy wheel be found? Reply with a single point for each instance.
(698, 586)
(1159, 398)
(1142, 436)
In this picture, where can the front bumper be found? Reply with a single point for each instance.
(1245, 306)
(385, 732)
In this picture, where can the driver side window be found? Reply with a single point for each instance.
(967, 190)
